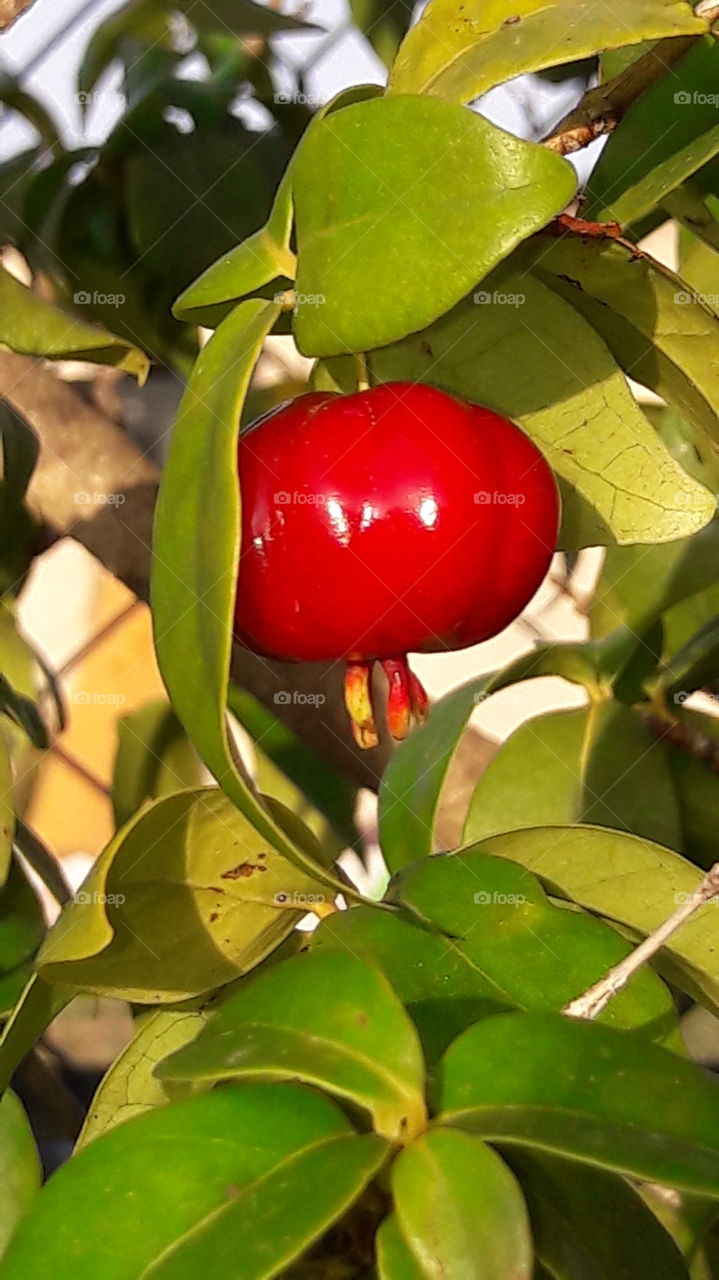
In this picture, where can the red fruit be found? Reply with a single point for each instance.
(397, 519)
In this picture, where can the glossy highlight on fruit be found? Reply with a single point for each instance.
(398, 519)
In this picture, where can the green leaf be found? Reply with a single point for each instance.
(659, 331)
(352, 1038)
(255, 262)
(20, 449)
(664, 137)
(136, 25)
(459, 1209)
(619, 482)
(639, 584)
(36, 328)
(384, 23)
(281, 1158)
(594, 1093)
(154, 758)
(22, 929)
(629, 880)
(412, 783)
(394, 1259)
(24, 713)
(407, 176)
(459, 50)
(330, 791)
(185, 898)
(442, 991)
(20, 1172)
(696, 786)
(241, 17)
(130, 1087)
(591, 1225)
(525, 952)
(7, 811)
(37, 1005)
(195, 559)
(694, 666)
(598, 765)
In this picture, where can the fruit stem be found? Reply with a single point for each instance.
(358, 701)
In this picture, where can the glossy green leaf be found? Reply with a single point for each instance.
(664, 137)
(460, 1210)
(594, 1093)
(592, 1225)
(412, 782)
(22, 929)
(131, 1087)
(599, 765)
(195, 559)
(441, 989)
(619, 482)
(36, 328)
(20, 1172)
(153, 759)
(459, 50)
(660, 331)
(629, 880)
(526, 952)
(281, 1158)
(227, 899)
(352, 1038)
(407, 176)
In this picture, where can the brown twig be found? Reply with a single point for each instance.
(602, 108)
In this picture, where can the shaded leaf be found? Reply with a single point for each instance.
(130, 1087)
(407, 176)
(227, 898)
(412, 782)
(281, 1158)
(22, 929)
(594, 1093)
(329, 790)
(659, 331)
(619, 483)
(259, 259)
(459, 50)
(591, 1225)
(36, 328)
(599, 765)
(352, 1037)
(664, 137)
(153, 759)
(459, 1209)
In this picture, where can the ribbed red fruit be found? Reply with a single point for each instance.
(399, 519)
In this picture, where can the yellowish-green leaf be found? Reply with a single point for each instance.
(461, 48)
